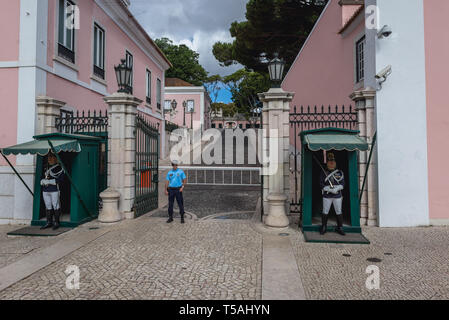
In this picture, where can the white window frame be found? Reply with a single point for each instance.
(191, 110)
(169, 105)
(159, 93)
(99, 59)
(66, 30)
(148, 77)
(129, 55)
(360, 45)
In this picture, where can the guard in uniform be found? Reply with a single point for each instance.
(332, 183)
(54, 176)
(174, 186)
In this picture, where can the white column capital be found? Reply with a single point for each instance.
(120, 98)
(276, 94)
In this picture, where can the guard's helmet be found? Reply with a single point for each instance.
(330, 156)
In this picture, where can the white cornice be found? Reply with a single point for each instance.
(121, 18)
(186, 90)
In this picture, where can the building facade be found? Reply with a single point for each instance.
(387, 59)
(193, 105)
(65, 51)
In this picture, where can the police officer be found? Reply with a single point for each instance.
(332, 183)
(54, 176)
(174, 186)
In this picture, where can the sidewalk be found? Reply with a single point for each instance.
(230, 259)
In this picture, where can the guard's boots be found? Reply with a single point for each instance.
(340, 225)
(49, 224)
(170, 219)
(182, 219)
(57, 217)
(323, 228)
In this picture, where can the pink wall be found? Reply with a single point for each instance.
(437, 70)
(179, 117)
(9, 77)
(9, 30)
(324, 72)
(117, 42)
(9, 80)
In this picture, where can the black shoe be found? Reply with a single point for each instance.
(49, 223)
(339, 228)
(323, 228)
(170, 220)
(57, 223)
(182, 219)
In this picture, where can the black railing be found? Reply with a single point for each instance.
(99, 72)
(83, 122)
(66, 53)
(324, 117)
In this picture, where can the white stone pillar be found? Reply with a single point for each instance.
(359, 100)
(276, 110)
(370, 95)
(364, 100)
(48, 109)
(122, 113)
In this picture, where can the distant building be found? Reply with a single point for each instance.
(193, 104)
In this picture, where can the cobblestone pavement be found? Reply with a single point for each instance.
(13, 248)
(207, 200)
(415, 265)
(149, 259)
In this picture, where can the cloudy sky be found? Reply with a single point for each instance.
(195, 23)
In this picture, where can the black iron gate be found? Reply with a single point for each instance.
(309, 119)
(146, 166)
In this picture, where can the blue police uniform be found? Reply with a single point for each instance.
(175, 178)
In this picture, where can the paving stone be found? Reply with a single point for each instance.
(148, 259)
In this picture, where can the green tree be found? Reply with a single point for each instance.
(244, 86)
(184, 60)
(229, 109)
(272, 26)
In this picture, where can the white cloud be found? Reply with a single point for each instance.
(195, 23)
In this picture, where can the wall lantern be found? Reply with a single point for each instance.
(276, 70)
(174, 104)
(123, 74)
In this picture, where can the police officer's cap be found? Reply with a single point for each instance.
(175, 163)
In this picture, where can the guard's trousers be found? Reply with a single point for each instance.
(172, 194)
(328, 202)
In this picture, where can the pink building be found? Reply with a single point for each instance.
(389, 60)
(192, 104)
(43, 55)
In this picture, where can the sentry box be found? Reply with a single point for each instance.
(80, 157)
(344, 144)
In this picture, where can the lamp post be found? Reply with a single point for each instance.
(184, 104)
(276, 70)
(123, 74)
